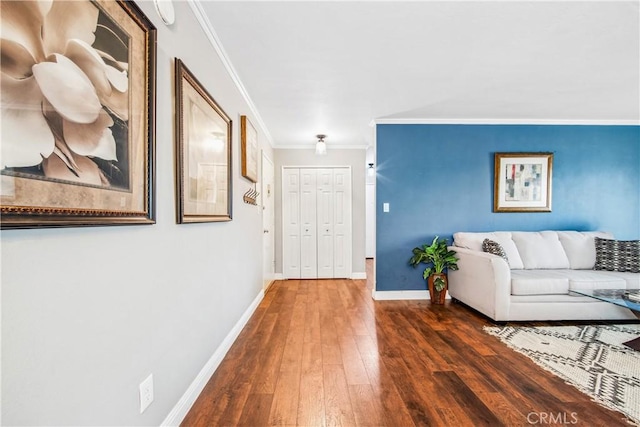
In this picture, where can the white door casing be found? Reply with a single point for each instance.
(268, 220)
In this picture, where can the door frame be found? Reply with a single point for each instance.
(268, 188)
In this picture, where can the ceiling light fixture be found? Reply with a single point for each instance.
(321, 146)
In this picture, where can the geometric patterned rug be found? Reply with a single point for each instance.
(590, 358)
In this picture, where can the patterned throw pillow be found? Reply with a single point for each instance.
(495, 248)
(617, 255)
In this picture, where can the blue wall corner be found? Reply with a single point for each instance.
(438, 179)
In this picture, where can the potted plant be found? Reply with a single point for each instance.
(439, 260)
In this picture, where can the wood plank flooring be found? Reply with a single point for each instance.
(324, 353)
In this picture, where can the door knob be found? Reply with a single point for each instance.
(265, 231)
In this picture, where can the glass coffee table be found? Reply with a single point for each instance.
(615, 296)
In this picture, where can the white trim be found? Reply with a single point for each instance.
(329, 147)
(278, 276)
(407, 121)
(317, 167)
(180, 410)
(359, 275)
(201, 16)
(402, 295)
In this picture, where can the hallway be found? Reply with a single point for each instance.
(324, 353)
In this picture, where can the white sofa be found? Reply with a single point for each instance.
(535, 283)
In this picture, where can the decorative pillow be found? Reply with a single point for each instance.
(495, 248)
(617, 255)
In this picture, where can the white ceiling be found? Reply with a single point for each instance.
(332, 67)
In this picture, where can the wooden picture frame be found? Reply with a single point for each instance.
(522, 182)
(78, 128)
(249, 149)
(203, 152)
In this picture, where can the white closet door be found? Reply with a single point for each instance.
(308, 246)
(291, 223)
(342, 222)
(325, 223)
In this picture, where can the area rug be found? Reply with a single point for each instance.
(591, 358)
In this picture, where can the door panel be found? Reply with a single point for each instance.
(325, 223)
(308, 248)
(291, 223)
(342, 222)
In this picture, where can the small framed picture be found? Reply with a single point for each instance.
(203, 152)
(522, 182)
(249, 144)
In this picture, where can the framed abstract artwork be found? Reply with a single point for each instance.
(522, 182)
(249, 148)
(78, 114)
(203, 152)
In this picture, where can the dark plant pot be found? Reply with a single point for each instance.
(437, 297)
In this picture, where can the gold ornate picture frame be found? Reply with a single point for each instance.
(249, 148)
(203, 153)
(78, 115)
(522, 182)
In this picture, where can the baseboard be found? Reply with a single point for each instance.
(401, 295)
(278, 276)
(359, 276)
(179, 412)
(268, 287)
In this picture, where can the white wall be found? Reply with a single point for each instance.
(334, 157)
(370, 200)
(88, 313)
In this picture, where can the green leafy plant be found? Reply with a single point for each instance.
(438, 258)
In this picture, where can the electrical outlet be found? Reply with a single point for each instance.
(146, 393)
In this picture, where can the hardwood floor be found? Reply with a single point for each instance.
(324, 353)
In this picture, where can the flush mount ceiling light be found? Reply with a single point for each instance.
(321, 146)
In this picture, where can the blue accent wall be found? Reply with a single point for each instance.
(438, 179)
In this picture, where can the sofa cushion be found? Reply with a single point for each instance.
(473, 241)
(494, 248)
(589, 279)
(538, 282)
(580, 247)
(555, 282)
(540, 250)
(617, 255)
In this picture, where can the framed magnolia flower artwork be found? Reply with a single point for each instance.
(78, 99)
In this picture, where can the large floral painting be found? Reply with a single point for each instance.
(77, 113)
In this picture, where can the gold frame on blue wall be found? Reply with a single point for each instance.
(522, 182)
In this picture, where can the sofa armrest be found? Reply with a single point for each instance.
(483, 282)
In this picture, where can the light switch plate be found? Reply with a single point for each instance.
(385, 207)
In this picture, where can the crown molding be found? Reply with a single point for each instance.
(391, 121)
(201, 16)
(313, 147)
